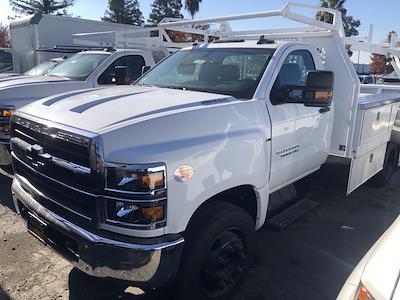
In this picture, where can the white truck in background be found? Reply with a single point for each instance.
(115, 57)
(41, 69)
(166, 181)
(84, 70)
(45, 31)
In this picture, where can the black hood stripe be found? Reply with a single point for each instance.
(86, 106)
(176, 107)
(69, 94)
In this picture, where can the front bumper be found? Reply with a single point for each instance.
(145, 262)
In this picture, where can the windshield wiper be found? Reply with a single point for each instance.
(175, 87)
(55, 75)
(144, 84)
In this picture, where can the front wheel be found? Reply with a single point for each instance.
(217, 254)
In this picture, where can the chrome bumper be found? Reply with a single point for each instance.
(149, 263)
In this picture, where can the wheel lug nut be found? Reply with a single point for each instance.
(221, 284)
(239, 270)
(237, 246)
(221, 260)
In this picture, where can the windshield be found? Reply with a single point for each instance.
(227, 71)
(41, 69)
(78, 66)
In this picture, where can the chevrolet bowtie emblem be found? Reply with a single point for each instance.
(37, 157)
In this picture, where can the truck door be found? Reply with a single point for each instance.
(134, 63)
(300, 135)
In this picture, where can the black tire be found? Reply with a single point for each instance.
(219, 247)
(389, 167)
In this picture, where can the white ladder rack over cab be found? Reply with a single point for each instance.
(149, 38)
(287, 12)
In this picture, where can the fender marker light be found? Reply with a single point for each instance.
(183, 173)
(363, 293)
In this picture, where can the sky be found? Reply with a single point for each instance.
(383, 14)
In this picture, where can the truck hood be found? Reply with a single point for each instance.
(28, 80)
(382, 268)
(8, 75)
(22, 90)
(102, 110)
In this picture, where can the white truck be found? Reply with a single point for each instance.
(43, 31)
(41, 69)
(166, 181)
(84, 70)
(94, 66)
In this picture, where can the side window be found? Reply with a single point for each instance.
(6, 63)
(134, 64)
(293, 72)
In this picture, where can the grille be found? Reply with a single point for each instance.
(37, 152)
(64, 146)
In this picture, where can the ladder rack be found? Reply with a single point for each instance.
(390, 50)
(144, 37)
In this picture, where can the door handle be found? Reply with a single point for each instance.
(324, 110)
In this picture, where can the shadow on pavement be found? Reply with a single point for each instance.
(313, 258)
(5, 192)
(83, 287)
(309, 260)
(3, 294)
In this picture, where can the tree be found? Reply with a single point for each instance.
(28, 7)
(381, 64)
(165, 9)
(4, 37)
(125, 12)
(350, 24)
(192, 6)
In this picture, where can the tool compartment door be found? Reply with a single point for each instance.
(376, 121)
(365, 166)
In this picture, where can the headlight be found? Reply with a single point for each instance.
(135, 179)
(126, 212)
(5, 129)
(6, 112)
(136, 196)
(363, 294)
(5, 115)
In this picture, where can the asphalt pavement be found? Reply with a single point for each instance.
(311, 259)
